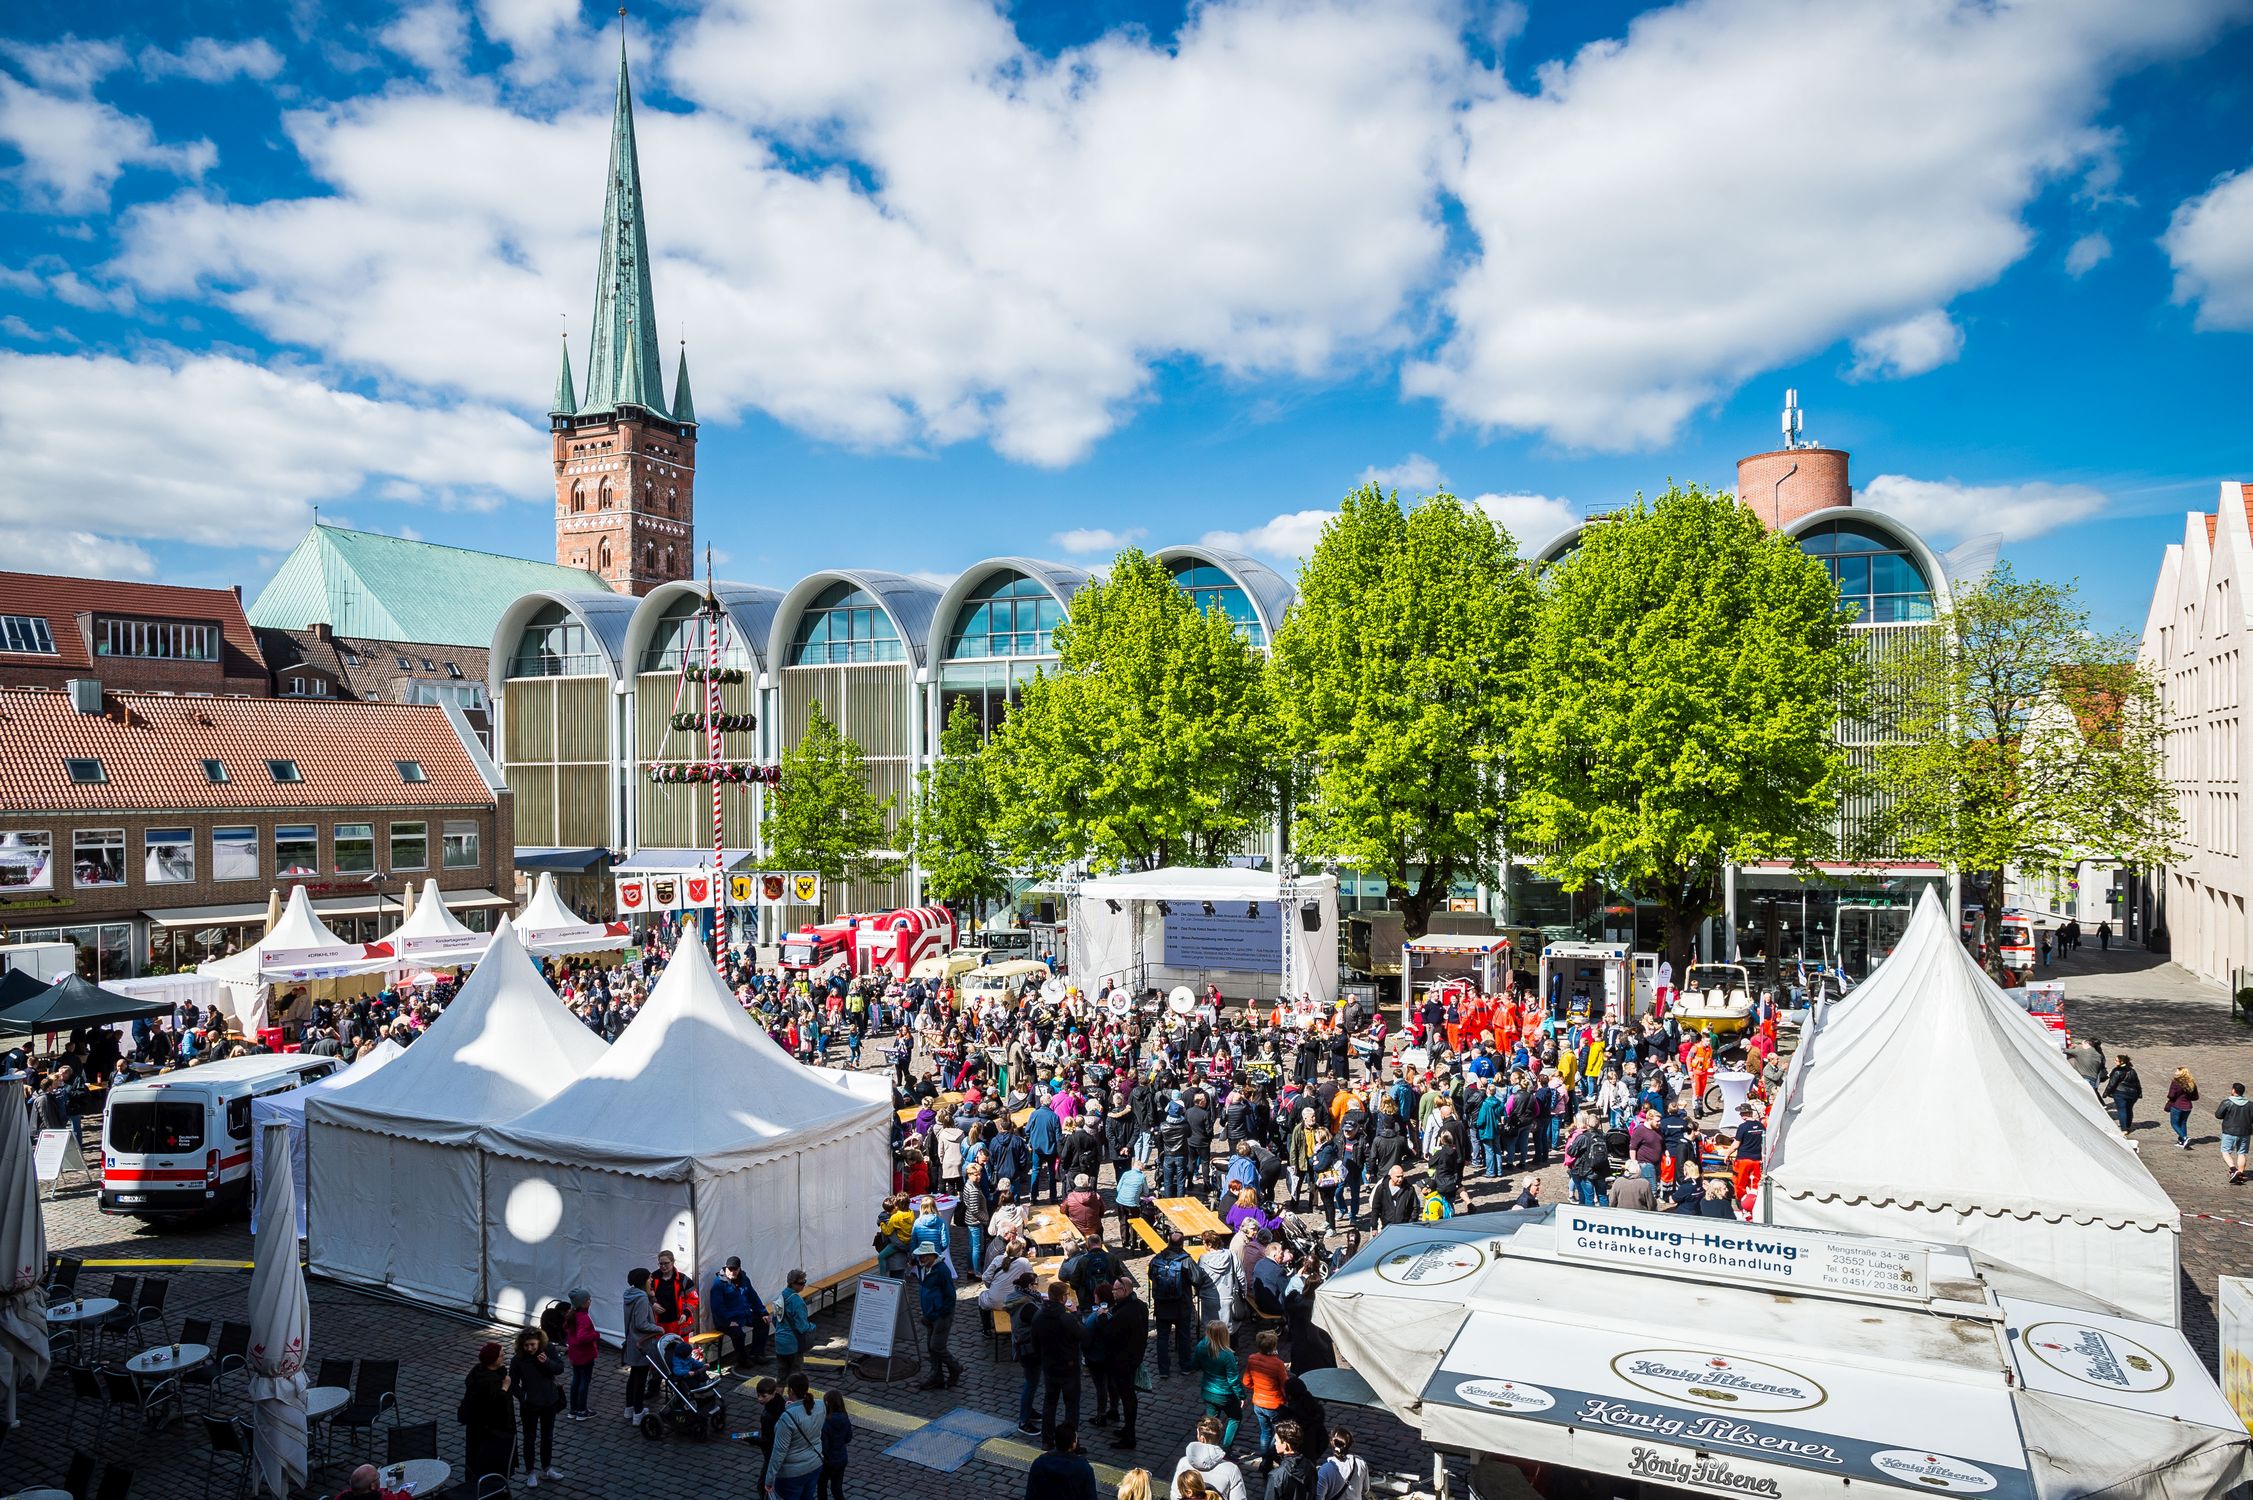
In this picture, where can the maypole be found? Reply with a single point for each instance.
(716, 622)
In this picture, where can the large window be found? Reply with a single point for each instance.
(169, 856)
(465, 695)
(992, 688)
(234, 853)
(410, 846)
(679, 632)
(97, 857)
(27, 861)
(460, 848)
(845, 624)
(26, 633)
(1876, 576)
(354, 844)
(554, 644)
(1209, 588)
(297, 849)
(160, 640)
(1007, 615)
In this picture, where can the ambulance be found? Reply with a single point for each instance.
(178, 1144)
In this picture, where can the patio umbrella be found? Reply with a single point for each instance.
(23, 1257)
(279, 1325)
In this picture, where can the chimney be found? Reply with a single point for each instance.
(1795, 480)
(323, 631)
(85, 694)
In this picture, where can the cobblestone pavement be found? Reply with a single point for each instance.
(2128, 1000)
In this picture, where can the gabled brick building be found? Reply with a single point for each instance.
(150, 637)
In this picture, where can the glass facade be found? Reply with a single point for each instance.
(845, 624)
(1007, 615)
(1209, 588)
(234, 853)
(554, 644)
(297, 849)
(678, 631)
(991, 687)
(1876, 576)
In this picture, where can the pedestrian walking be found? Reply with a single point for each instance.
(794, 1329)
(2182, 1093)
(1063, 1472)
(836, 1443)
(533, 1377)
(935, 1299)
(2123, 1087)
(2236, 1116)
(794, 1464)
(641, 1334)
(582, 1346)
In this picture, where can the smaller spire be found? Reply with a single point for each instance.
(566, 399)
(684, 409)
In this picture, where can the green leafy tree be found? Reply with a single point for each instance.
(955, 816)
(1398, 677)
(823, 817)
(1686, 671)
(1150, 743)
(2014, 736)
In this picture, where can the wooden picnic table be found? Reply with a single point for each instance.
(1049, 1228)
(1191, 1217)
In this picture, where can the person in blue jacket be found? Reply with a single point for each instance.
(1044, 1133)
(739, 1313)
(935, 1298)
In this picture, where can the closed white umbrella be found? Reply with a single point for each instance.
(279, 1325)
(23, 1257)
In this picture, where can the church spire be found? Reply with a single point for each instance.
(566, 401)
(684, 409)
(622, 365)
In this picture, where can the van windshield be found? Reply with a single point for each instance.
(155, 1127)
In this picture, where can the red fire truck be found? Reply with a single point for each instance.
(888, 943)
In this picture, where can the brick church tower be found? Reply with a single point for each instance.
(625, 458)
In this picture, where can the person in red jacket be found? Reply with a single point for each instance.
(673, 1297)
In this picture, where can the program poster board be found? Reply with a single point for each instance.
(1232, 938)
(57, 1152)
(2234, 1306)
(878, 1302)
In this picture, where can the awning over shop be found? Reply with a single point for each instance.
(1708, 1354)
(659, 861)
(238, 913)
(562, 861)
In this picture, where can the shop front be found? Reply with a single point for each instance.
(1844, 917)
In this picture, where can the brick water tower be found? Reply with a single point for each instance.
(1795, 480)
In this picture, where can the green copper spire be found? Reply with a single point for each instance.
(684, 409)
(566, 401)
(622, 366)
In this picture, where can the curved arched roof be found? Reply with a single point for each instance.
(1270, 592)
(751, 611)
(1558, 545)
(1935, 572)
(1062, 581)
(607, 617)
(911, 603)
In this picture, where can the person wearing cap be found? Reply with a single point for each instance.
(935, 1297)
(739, 1313)
(488, 1418)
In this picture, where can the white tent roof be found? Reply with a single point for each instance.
(1929, 1044)
(432, 934)
(692, 1087)
(1187, 883)
(289, 1105)
(505, 1044)
(1529, 1334)
(301, 947)
(548, 926)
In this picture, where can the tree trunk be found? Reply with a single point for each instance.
(1991, 920)
(1416, 907)
(1681, 929)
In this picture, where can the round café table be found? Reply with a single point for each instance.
(40, 1494)
(320, 1400)
(168, 1359)
(83, 1310)
(418, 1476)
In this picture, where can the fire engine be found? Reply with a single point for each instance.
(888, 943)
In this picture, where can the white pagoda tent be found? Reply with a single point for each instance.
(301, 950)
(548, 927)
(432, 935)
(288, 1108)
(1928, 1105)
(693, 1133)
(393, 1176)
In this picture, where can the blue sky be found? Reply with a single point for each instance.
(959, 279)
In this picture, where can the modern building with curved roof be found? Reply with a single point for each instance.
(1247, 590)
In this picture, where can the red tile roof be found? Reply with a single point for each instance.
(2211, 522)
(153, 745)
(59, 600)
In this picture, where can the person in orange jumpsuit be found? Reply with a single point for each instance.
(1701, 1071)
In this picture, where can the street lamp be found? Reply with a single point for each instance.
(378, 879)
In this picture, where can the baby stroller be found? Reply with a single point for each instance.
(687, 1396)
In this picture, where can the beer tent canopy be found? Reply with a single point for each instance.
(301, 947)
(1548, 1337)
(1928, 1104)
(393, 1178)
(693, 1133)
(549, 927)
(72, 1001)
(433, 935)
(288, 1108)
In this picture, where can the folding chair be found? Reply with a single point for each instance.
(148, 1309)
(376, 1393)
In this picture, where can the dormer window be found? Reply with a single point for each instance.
(84, 770)
(284, 772)
(26, 633)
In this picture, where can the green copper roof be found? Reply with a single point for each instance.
(565, 401)
(387, 588)
(684, 408)
(622, 366)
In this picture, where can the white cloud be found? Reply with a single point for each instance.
(69, 66)
(2087, 253)
(1731, 187)
(2209, 241)
(219, 451)
(206, 59)
(1081, 540)
(1947, 508)
(433, 35)
(1910, 347)
(80, 554)
(74, 147)
(1416, 474)
(1533, 521)
(1287, 538)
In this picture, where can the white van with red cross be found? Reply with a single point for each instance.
(178, 1144)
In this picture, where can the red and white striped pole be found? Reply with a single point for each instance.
(712, 758)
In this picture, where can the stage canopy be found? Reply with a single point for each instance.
(2007, 1150)
(1246, 930)
(693, 1133)
(1788, 1363)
